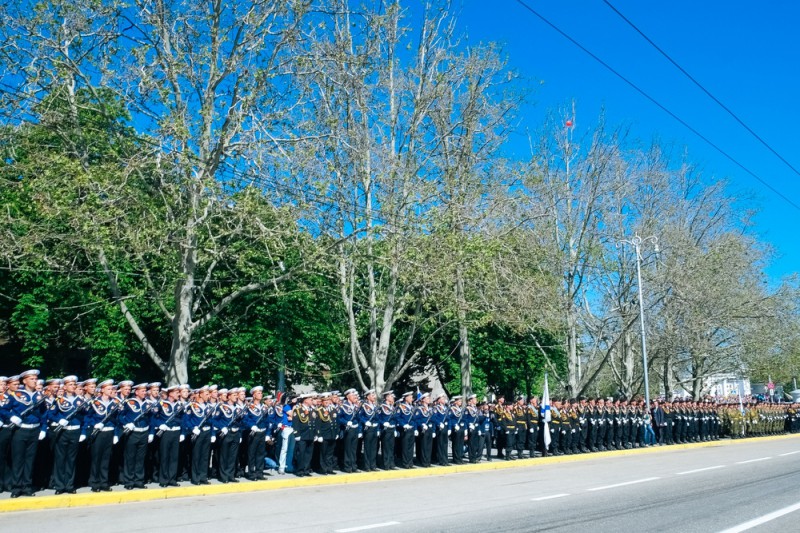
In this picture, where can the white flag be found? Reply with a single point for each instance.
(546, 412)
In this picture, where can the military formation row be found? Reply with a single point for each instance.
(64, 434)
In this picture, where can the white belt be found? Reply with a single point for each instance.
(107, 428)
(206, 428)
(29, 426)
(140, 430)
(234, 430)
(174, 428)
(71, 427)
(259, 430)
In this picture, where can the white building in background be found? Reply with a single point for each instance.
(728, 385)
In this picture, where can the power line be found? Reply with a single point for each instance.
(658, 104)
(702, 88)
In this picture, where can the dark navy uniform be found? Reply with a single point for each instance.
(403, 415)
(423, 422)
(367, 417)
(165, 424)
(197, 424)
(328, 430)
(254, 427)
(28, 413)
(6, 429)
(225, 422)
(455, 424)
(134, 418)
(441, 433)
(65, 415)
(304, 422)
(101, 428)
(388, 428)
(348, 422)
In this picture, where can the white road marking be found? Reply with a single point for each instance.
(753, 460)
(623, 484)
(763, 519)
(700, 470)
(790, 453)
(543, 498)
(370, 526)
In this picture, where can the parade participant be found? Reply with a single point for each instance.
(305, 426)
(441, 429)
(425, 428)
(197, 424)
(100, 430)
(134, 418)
(28, 410)
(532, 414)
(473, 432)
(65, 415)
(367, 417)
(254, 427)
(225, 422)
(328, 429)
(350, 428)
(388, 427)
(165, 425)
(403, 415)
(521, 421)
(486, 425)
(455, 424)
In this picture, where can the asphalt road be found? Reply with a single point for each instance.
(688, 490)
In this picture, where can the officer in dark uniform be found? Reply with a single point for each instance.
(368, 420)
(471, 415)
(509, 427)
(521, 420)
(348, 422)
(327, 433)
(555, 427)
(404, 414)
(64, 415)
(304, 420)
(423, 421)
(486, 425)
(134, 418)
(254, 426)
(532, 422)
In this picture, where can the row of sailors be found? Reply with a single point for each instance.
(67, 412)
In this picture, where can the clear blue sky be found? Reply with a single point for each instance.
(746, 53)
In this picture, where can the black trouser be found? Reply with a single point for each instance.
(555, 438)
(228, 456)
(441, 447)
(487, 444)
(521, 440)
(303, 450)
(350, 449)
(101, 446)
(256, 453)
(474, 445)
(5, 465)
(533, 437)
(407, 448)
(201, 454)
(65, 450)
(23, 452)
(425, 447)
(387, 447)
(370, 449)
(168, 450)
(135, 449)
(327, 459)
(510, 442)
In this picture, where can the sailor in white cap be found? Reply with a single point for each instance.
(253, 439)
(388, 428)
(404, 417)
(473, 433)
(99, 427)
(368, 419)
(197, 423)
(422, 421)
(304, 422)
(165, 424)
(28, 413)
(66, 417)
(348, 421)
(456, 423)
(441, 429)
(135, 421)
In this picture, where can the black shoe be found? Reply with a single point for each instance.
(71, 491)
(162, 485)
(105, 489)
(173, 484)
(16, 494)
(128, 487)
(95, 489)
(60, 492)
(139, 486)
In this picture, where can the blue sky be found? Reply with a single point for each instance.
(745, 53)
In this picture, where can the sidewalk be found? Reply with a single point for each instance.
(47, 500)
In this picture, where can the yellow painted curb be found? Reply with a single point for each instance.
(121, 496)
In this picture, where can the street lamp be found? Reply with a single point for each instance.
(637, 242)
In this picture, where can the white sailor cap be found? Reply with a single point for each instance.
(425, 395)
(105, 383)
(184, 386)
(67, 379)
(370, 391)
(269, 397)
(223, 391)
(32, 372)
(472, 396)
(12, 379)
(3, 378)
(53, 381)
(154, 385)
(257, 389)
(140, 386)
(348, 392)
(325, 395)
(387, 393)
(90, 381)
(212, 387)
(173, 387)
(441, 395)
(456, 397)
(409, 393)
(125, 383)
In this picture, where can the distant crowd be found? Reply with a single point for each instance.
(64, 434)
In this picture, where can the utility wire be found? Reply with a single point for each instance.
(702, 88)
(658, 104)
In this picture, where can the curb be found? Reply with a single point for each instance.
(117, 497)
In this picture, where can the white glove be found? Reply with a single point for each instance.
(396, 433)
(479, 433)
(129, 426)
(115, 440)
(224, 431)
(387, 425)
(530, 430)
(163, 427)
(297, 439)
(360, 435)
(573, 431)
(424, 427)
(240, 440)
(99, 425)
(150, 438)
(63, 422)
(471, 427)
(254, 429)
(416, 433)
(213, 439)
(16, 420)
(181, 438)
(42, 435)
(82, 438)
(434, 435)
(441, 426)
(407, 426)
(196, 431)
(457, 427)
(450, 432)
